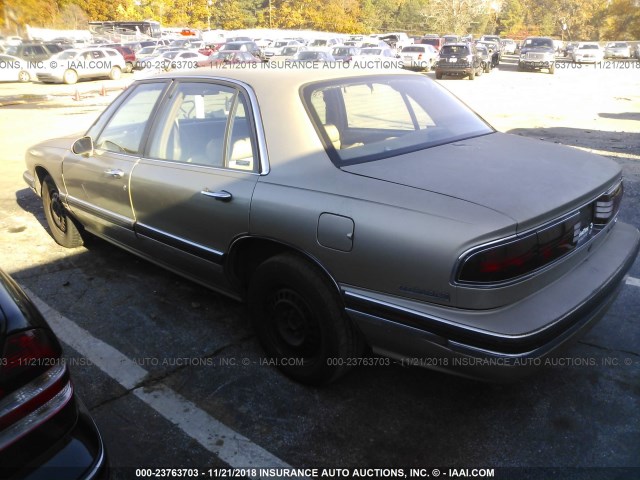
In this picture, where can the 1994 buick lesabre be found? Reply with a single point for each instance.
(349, 209)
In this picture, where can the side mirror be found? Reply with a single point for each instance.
(83, 146)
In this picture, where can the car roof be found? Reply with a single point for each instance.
(264, 79)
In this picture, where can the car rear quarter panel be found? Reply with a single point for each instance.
(405, 240)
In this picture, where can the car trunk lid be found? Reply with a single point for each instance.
(527, 180)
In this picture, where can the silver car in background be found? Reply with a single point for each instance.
(351, 210)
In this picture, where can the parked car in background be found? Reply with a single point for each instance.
(14, 69)
(509, 46)
(288, 52)
(127, 53)
(419, 57)
(311, 57)
(344, 53)
(460, 60)
(487, 57)
(34, 52)
(45, 430)
(493, 51)
(451, 38)
(276, 47)
(495, 39)
(537, 53)
(588, 52)
(325, 44)
(245, 46)
(73, 65)
(617, 50)
(351, 209)
(435, 42)
(569, 49)
(225, 58)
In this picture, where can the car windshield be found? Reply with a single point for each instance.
(370, 118)
(280, 44)
(371, 51)
(538, 42)
(413, 49)
(67, 55)
(289, 50)
(319, 43)
(589, 47)
(340, 51)
(146, 50)
(309, 56)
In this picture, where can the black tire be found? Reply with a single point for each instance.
(297, 314)
(552, 69)
(438, 75)
(24, 76)
(62, 226)
(472, 74)
(128, 67)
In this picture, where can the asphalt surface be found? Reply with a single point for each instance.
(579, 418)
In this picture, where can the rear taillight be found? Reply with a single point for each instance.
(606, 207)
(34, 383)
(508, 260)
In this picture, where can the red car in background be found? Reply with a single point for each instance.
(127, 53)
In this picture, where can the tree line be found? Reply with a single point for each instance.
(566, 19)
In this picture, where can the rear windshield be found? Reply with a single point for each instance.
(414, 49)
(368, 118)
(454, 50)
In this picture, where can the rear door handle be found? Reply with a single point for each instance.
(221, 195)
(115, 173)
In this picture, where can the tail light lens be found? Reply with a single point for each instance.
(34, 383)
(516, 257)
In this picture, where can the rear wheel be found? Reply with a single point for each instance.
(552, 69)
(298, 317)
(63, 228)
(128, 67)
(472, 74)
(70, 77)
(439, 75)
(115, 73)
(24, 76)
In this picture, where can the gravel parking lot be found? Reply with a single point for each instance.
(175, 378)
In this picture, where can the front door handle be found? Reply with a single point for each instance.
(221, 195)
(115, 173)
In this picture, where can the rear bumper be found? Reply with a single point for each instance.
(455, 341)
(78, 454)
(457, 71)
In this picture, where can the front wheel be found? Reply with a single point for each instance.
(438, 76)
(63, 229)
(299, 320)
(472, 74)
(24, 76)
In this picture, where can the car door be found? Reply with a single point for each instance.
(97, 184)
(191, 194)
